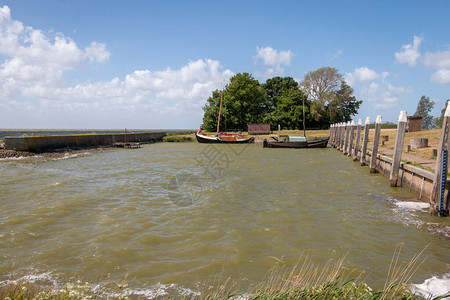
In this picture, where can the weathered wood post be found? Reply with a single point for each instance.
(399, 139)
(365, 141)
(350, 142)
(331, 135)
(338, 135)
(279, 132)
(376, 139)
(437, 205)
(358, 138)
(347, 133)
(341, 143)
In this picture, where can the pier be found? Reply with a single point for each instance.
(427, 185)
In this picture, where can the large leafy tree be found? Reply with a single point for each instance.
(320, 86)
(331, 97)
(244, 102)
(280, 91)
(423, 110)
(344, 105)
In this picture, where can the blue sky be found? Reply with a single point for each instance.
(153, 64)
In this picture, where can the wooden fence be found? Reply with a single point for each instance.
(346, 137)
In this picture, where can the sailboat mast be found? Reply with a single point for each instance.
(220, 110)
(304, 122)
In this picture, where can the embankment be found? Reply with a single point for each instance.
(43, 143)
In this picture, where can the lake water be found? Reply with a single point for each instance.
(175, 214)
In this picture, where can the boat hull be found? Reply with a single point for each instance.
(217, 140)
(319, 143)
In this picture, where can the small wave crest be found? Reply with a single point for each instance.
(410, 205)
(51, 282)
(433, 287)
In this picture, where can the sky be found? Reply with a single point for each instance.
(153, 64)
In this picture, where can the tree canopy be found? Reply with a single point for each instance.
(326, 96)
(244, 102)
(423, 110)
(331, 97)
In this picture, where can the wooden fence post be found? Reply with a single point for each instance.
(437, 192)
(376, 139)
(341, 144)
(332, 131)
(338, 136)
(347, 131)
(358, 138)
(365, 141)
(399, 139)
(350, 142)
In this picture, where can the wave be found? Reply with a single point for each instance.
(433, 287)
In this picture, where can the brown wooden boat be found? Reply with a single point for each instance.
(223, 139)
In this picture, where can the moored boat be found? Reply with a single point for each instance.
(223, 139)
(296, 142)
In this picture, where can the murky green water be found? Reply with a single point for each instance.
(186, 213)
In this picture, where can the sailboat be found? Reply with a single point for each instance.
(222, 137)
(296, 141)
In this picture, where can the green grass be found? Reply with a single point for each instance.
(178, 139)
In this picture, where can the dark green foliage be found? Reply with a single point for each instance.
(424, 108)
(244, 102)
(276, 87)
(289, 110)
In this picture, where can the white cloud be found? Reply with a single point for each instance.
(383, 95)
(409, 54)
(274, 59)
(32, 83)
(441, 76)
(364, 74)
(97, 52)
(440, 60)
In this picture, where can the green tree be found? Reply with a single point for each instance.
(344, 105)
(331, 97)
(244, 102)
(438, 122)
(423, 110)
(320, 86)
(289, 110)
(275, 87)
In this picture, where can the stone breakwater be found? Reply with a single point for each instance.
(43, 143)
